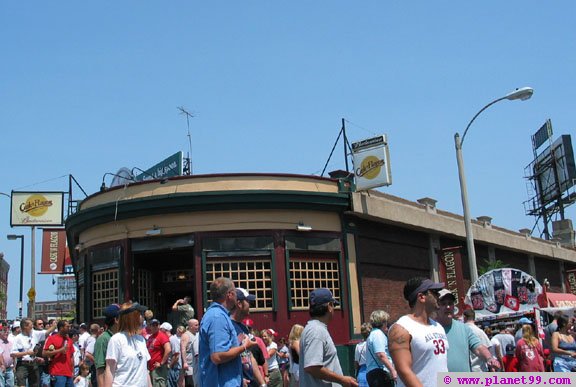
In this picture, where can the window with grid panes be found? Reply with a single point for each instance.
(309, 273)
(104, 290)
(145, 290)
(252, 274)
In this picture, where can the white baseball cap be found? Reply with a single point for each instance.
(166, 326)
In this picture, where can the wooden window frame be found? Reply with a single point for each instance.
(298, 296)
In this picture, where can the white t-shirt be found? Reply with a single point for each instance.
(81, 382)
(272, 361)
(82, 340)
(24, 343)
(77, 356)
(131, 357)
(90, 342)
(429, 347)
(495, 344)
(175, 348)
(477, 364)
(360, 353)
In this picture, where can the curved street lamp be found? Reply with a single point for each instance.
(522, 94)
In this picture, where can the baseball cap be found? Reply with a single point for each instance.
(524, 320)
(83, 326)
(322, 296)
(242, 294)
(444, 293)
(272, 332)
(154, 322)
(248, 322)
(135, 307)
(111, 310)
(16, 324)
(166, 326)
(424, 286)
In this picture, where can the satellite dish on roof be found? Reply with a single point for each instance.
(122, 177)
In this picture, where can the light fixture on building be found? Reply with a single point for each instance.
(303, 227)
(181, 276)
(154, 231)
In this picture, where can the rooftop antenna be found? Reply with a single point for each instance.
(188, 168)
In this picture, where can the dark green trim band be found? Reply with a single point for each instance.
(204, 201)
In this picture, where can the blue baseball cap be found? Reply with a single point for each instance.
(322, 296)
(111, 311)
(242, 294)
(524, 320)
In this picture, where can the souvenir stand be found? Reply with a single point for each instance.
(550, 303)
(503, 296)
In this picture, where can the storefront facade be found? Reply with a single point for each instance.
(279, 236)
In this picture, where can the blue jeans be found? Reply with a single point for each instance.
(44, 378)
(63, 381)
(7, 378)
(173, 375)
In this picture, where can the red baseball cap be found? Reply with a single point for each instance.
(248, 322)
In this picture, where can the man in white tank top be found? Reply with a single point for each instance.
(418, 344)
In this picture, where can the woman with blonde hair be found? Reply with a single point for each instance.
(127, 354)
(380, 371)
(274, 375)
(529, 351)
(294, 345)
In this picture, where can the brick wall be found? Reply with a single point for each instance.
(382, 288)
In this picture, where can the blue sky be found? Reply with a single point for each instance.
(86, 89)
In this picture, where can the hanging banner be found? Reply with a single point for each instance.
(451, 274)
(503, 291)
(37, 209)
(371, 163)
(53, 251)
(571, 281)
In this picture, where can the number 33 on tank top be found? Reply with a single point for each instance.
(440, 348)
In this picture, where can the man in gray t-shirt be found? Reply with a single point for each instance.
(319, 364)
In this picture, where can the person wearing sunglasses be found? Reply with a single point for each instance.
(418, 345)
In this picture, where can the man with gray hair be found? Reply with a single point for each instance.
(220, 363)
(379, 368)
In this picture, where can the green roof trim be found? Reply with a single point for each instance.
(205, 201)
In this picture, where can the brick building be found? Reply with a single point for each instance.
(47, 310)
(4, 269)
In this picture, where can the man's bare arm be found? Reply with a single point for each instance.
(399, 346)
(323, 373)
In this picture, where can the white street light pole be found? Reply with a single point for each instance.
(521, 94)
(32, 300)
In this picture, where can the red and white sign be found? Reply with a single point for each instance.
(451, 274)
(53, 251)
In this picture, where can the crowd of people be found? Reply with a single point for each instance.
(134, 349)
(430, 339)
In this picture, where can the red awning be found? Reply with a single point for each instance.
(560, 300)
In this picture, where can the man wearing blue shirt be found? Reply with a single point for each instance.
(460, 337)
(219, 359)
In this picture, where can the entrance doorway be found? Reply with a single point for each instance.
(161, 278)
